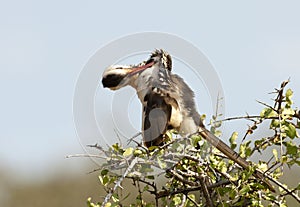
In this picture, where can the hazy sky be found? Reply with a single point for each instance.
(45, 44)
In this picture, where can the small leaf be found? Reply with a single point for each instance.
(263, 166)
(267, 113)
(245, 150)
(104, 172)
(152, 148)
(275, 153)
(103, 179)
(115, 197)
(137, 152)
(290, 130)
(128, 152)
(288, 97)
(275, 123)
(151, 177)
(161, 164)
(203, 117)
(108, 204)
(291, 148)
(146, 188)
(245, 190)
(287, 113)
(177, 200)
(222, 167)
(283, 159)
(218, 133)
(217, 124)
(169, 134)
(233, 139)
(195, 140)
(116, 147)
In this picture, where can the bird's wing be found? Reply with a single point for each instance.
(157, 109)
(156, 116)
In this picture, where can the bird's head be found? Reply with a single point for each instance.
(161, 59)
(118, 76)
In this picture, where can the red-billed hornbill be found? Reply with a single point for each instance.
(168, 103)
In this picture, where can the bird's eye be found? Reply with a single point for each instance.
(119, 68)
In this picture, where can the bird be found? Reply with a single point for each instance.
(168, 103)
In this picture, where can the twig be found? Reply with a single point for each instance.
(181, 178)
(288, 192)
(206, 192)
(133, 137)
(118, 183)
(267, 105)
(195, 204)
(97, 146)
(191, 189)
(86, 155)
(241, 117)
(279, 98)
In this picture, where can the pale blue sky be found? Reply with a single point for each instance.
(44, 46)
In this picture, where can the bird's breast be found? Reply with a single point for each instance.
(176, 118)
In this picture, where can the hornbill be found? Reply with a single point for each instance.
(168, 103)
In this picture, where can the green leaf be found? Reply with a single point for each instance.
(267, 113)
(108, 204)
(137, 152)
(290, 130)
(116, 147)
(275, 153)
(287, 113)
(289, 93)
(104, 172)
(275, 123)
(151, 177)
(195, 140)
(291, 148)
(263, 166)
(152, 148)
(115, 197)
(128, 152)
(233, 139)
(177, 200)
(288, 97)
(203, 117)
(245, 190)
(218, 133)
(245, 150)
(161, 164)
(105, 180)
(224, 190)
(283, 159)
(169, 134)
(217, 124)
(146, 188)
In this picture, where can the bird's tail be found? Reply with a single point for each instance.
(231, 154)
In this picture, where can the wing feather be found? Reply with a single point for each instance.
(155, 119)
